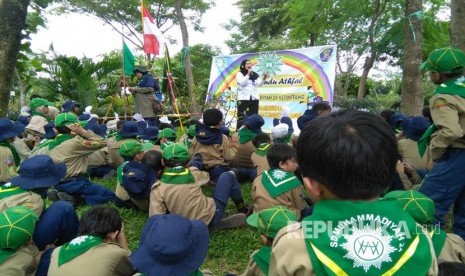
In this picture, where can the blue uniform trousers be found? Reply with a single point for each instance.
(226, 187)
(57, 225)
(445, 185)
(93, 194)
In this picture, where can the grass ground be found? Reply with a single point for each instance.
(229, 250)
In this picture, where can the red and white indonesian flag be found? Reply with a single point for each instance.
(154, 42)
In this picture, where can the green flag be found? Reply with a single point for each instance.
(128, 59)
(166, 68)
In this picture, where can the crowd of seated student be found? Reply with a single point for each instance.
(353, 170)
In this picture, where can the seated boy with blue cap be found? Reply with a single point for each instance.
(180, 191)
(58, 223)
(17, 252)
(210, 142)
(242, 161)
(9, 157)
(172, 245)
(134, 178)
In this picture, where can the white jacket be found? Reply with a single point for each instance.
(247, 89)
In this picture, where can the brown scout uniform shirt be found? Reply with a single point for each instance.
(214, 155)
(242, 159)
(408, 149)
(27, 199)
(113, 149)
(21, 263)
(22, 149)
(260, 162)
(74, 153)
(7, 165)
(186, 200)
(106, 259)
(252, 268)
(262, 200)
(100, 157)
(453, 249)
(297, 262)
(448, 113)
(142, 102)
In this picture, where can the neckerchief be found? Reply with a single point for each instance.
(8, 190)
(196, 273)
(262, 258)
(438, 239)
(119, 173)
(365, 238)
(262, 149)
(277, 181)
(77, 247)
(60, 138)
(177, 175)
(187, 143)
(453, 87)
(16, 157)
(164, 145)
(6, 253)
(246, 135)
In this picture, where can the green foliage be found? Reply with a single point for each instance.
(80, 79)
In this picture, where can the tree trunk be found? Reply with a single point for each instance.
(412, 89)
(457, 24)
(369, 61)
(13, 14)
(378, 9)
(194, 107)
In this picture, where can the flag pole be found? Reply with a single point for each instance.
(170, 85)
(123, 79)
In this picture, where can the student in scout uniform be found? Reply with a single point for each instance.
(9, 157)
(166, 137)
(71, 106)
(17, 251)
(278, 185)
(172, 245)
(100, 249)
(39, 111)
(126, 130)
(290, 130)
(135, 179)
(180, 191)
(72, 147)
(445, 183)
(242, 160)
(100, 164)
(280, 134)
(448, 247)
(214, 147)
(186, 138)
(268, 222)
(262, 143)
(412, 129)
(347, 160)
(58, 223)
(150, 135)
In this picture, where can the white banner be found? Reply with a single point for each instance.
(298, 79)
